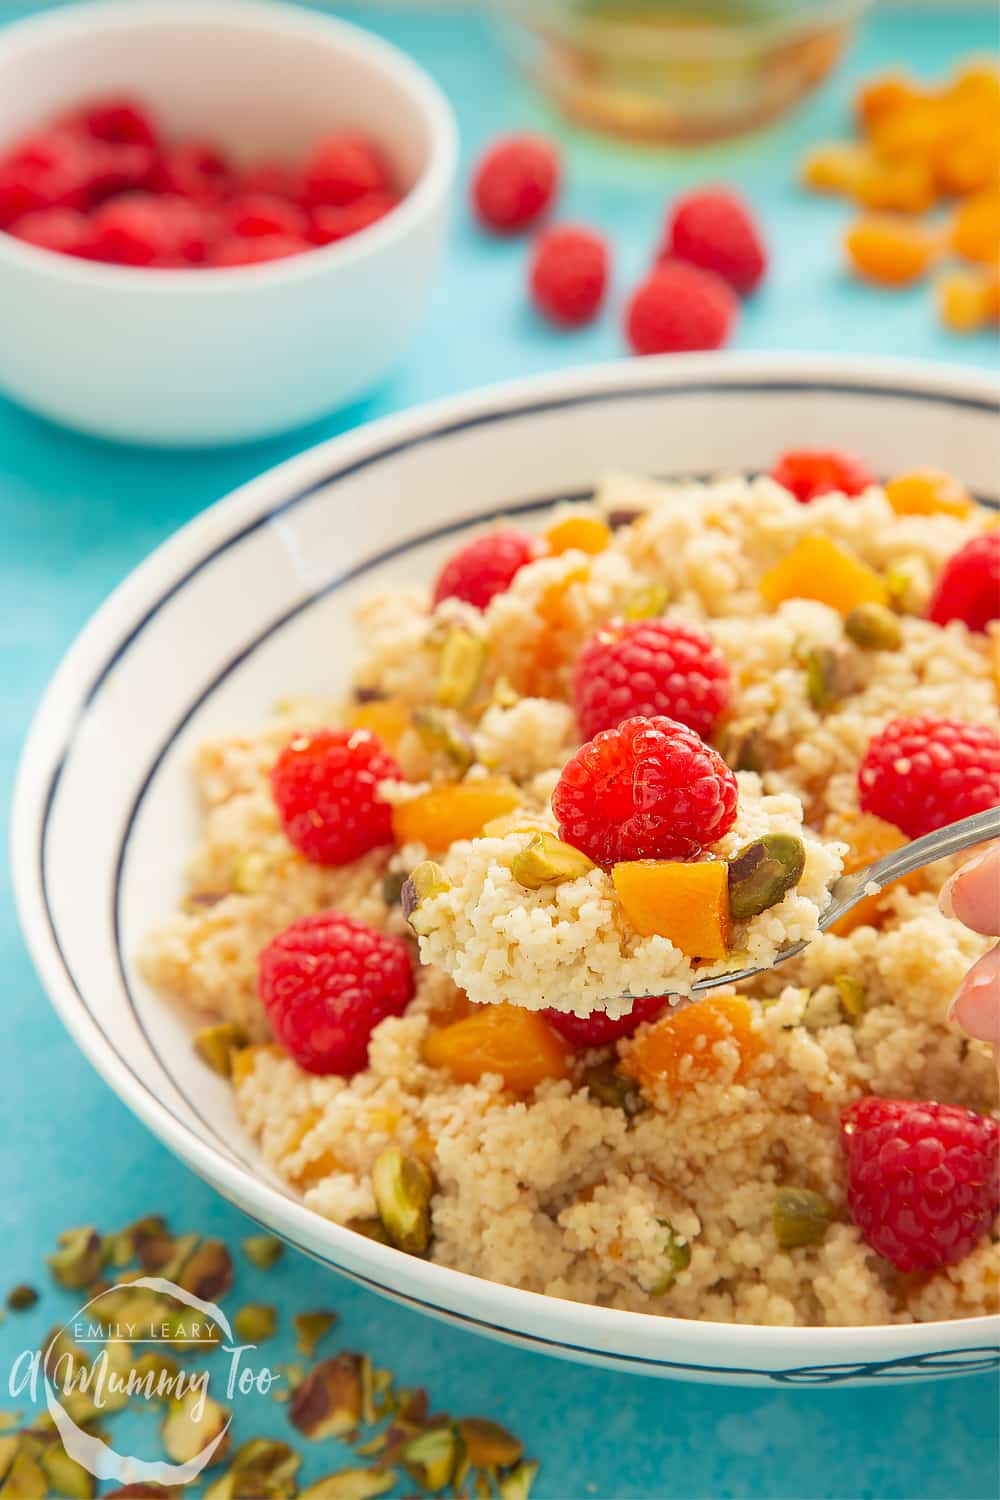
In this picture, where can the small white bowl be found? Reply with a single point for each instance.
(217, 356)
(253, 601)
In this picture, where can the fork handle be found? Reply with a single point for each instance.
(952, 839)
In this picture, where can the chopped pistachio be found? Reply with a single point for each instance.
(488, 1445)
(263, 1250)
(873, 627)
(118, 1249)
(8, 1421)
(21, 1297)
(426, 881)
(624, 516)
(369, 1415)
(250, 872)
(78, 1259)
(676, 1254)
(505, 695)
(215, 1045)
(261, 1469)
(433, 1456)
(463, 658)
(438, 731)
(517, 1483)
(166, 1254)
(763, 872)
(329, 1400)
(615, 1089)
(351, 1484)
(372, 1229)
(159, 1366)
(800, 1217)
(8, 1452)
(310, 1327)
(25, 1478)
(744, 746)
(69, 1479)
(392, 887)
(209, 1271)
(828, 677)
(648, 604)
(852, 996)
(403, 1186)
(256, 1322)
(548, 861)
(899, 580)
(186, 1431)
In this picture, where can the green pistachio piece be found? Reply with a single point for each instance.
(209, 1271)
(192, 1422)
(25, 1479)
(156, 1367)
(432, 1457)
(548, 861)
(392, 887)
(328, 1402)
(648, 604)
(310, 1327)
(438, 731)
(899, 580)
(744, 746)
(852, 996)
(351, 1484)
(372, 1229)
(8, 1452)
(21, 1297)
(425, 882)
(255, 1322)
(488, 1445)
(762, 872)
(79, 1258)
(607, 1085)
(69, 1479)
(215, 1045)
(873, 628)
(828, 677)
(261, 1469)
(403, 1187)
(516, 1483)
(463, 657)
(118, 1249)
(800, 1217)
(166, 1254)
(676, 1254)
(263, 1250)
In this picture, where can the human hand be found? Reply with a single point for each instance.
(972, 895)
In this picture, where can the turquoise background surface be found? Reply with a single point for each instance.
(76, 515)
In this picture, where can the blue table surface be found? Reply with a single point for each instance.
(78, 514)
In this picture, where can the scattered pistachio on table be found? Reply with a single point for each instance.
(263, 1250)
(310, 1328)
(21, 1297)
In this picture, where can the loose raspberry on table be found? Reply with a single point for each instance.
(598, 1029)
(341, 168)
(968, 587)
(923, 1180)
(569, 274)
(63, 230)
(924, 772)
(679, 308)
(715, 229)
(142, 229)
(650, 667)
(324, 787)
(810, 472)
(649, 789)
(486, 566)
(326, 982)
(337, 221)
(515, 182)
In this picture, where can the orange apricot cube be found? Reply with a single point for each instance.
(906, 187)
(883, 95)
(994, 650)
(388, 718)
(446, 813)
(817, 568)
(975, 234)
(870, 838)
(518, 1044)
(687, 903)
(969, 164)
(968, 299)
(928, 492)
(891, 250)
(837, 167)
(682, 1049)
(578, 533)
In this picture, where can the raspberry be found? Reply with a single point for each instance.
(923, 1180)
(21, 193)
(196, 170)
(141, 229)
(60, 229)
(337, 221)
(234, 251)
(650, 789)
(569, 274)
(808, 473)
(256, 214)
(120, 169)
(925, 772)
(326, 982)
(515, 182)
(119, 120)
(485, 567)
(968, 587)
(324, 788)
(714, 229)
(51, 169)
(598, 1029)
(680, 307)
(649, 667)
(341, 168)
(268, 177)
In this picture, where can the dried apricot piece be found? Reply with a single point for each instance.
(968, 299)
(975, 233)
(928, 492)
(446, 813)
(906, 187)
(518, 1044)
(682, 1049)
(837, 167)
(883, 95)
(891, 250)
(538, 674)
(969, 164)
(817, 568)
(578, 533)
(687, 903)
(388, 718)
(869, 838)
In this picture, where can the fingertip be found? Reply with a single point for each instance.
(972, 894)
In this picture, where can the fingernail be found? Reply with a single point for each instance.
(974, 980)
(945, 896)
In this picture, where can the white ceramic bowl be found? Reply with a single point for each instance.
(253, 601)
(199, 357)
